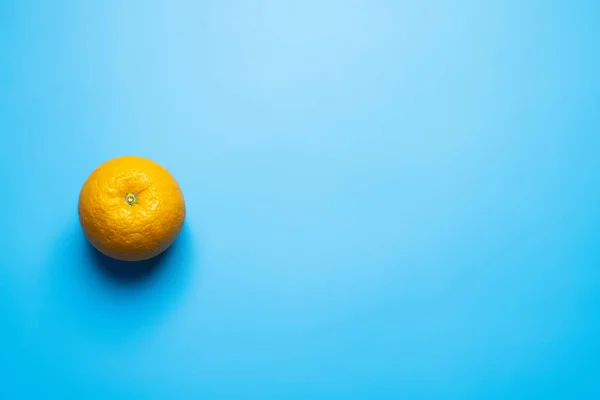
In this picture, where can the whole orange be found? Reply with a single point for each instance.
(131, 208)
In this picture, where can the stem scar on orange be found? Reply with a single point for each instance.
(131, 208)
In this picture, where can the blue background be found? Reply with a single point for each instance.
(386, 199)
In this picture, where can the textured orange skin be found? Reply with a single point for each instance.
(131, 232)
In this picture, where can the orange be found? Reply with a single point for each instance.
(131, 208)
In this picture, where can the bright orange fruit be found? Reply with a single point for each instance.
(131, 208)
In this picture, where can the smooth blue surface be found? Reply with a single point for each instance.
(386, 199)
